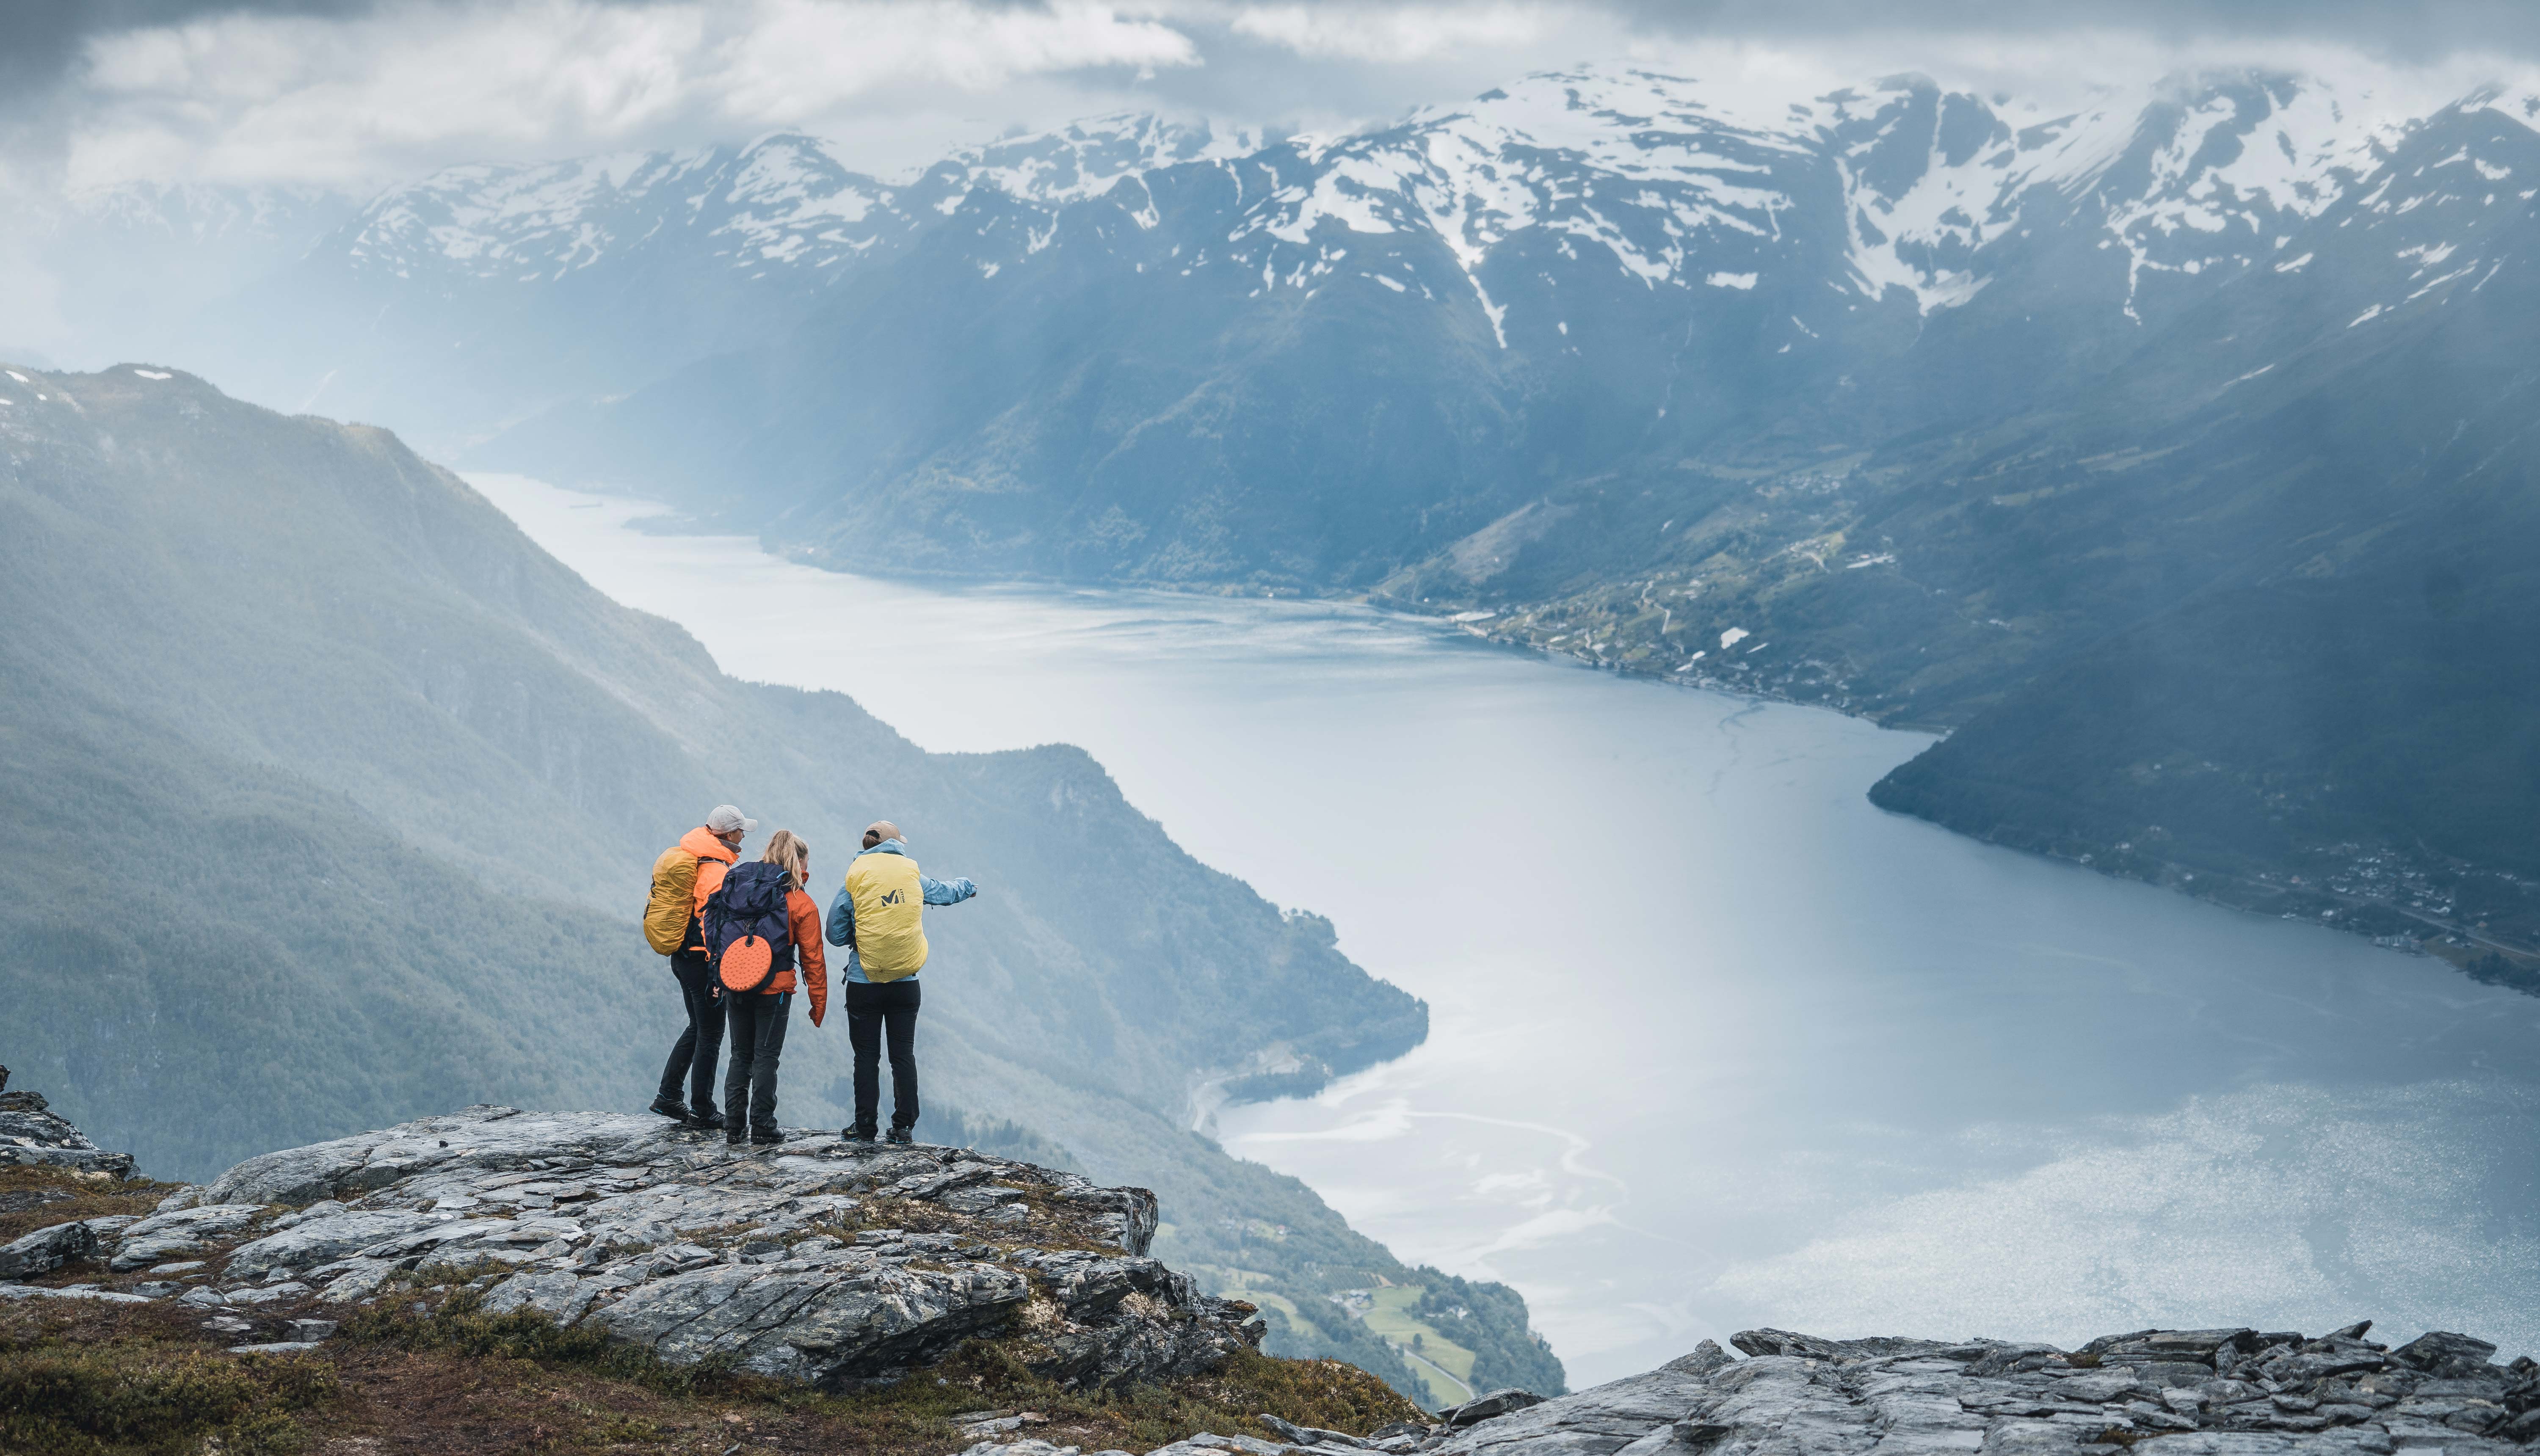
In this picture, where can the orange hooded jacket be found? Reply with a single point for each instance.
(803, 916)
(685, 875)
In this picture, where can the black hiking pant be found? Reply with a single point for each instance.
(692, 1056)
(758, 1040)
(873, 1010)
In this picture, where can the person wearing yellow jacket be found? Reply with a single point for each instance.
(878, 915)
(685, 875)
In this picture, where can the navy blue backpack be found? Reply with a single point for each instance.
(747, 935)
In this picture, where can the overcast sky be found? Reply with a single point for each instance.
(357, 94)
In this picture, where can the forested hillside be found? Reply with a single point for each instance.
(338, 798)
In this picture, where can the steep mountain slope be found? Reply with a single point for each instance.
(339, 798)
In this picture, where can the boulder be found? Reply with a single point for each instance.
(47, 1249)
(2437, 1352)
(1489, 1407)
(31, 1136)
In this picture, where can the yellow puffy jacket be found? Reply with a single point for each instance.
(679, 891)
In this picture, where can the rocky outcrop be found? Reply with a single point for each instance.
(2154, 1392)
(31, 1134)
(817, 1260)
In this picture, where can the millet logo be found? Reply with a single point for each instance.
(891, 898)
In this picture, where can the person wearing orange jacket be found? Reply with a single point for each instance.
(756, 1018)
(685, 875)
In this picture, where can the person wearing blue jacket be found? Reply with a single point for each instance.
(878, 915)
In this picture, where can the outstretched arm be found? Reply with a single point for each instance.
(946, 893)
(842, 919)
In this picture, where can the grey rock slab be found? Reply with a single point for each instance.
(1310, 1435)
(47, 1249)
(2037, 1437)
(2440, 1353)
(483, 1139)
(1592, 1423)
(328, 1237)
(38, 1291)
(76, 1160)
(563, 1296)
(817, 1326)
(278, 1346)
(355, 1280)
(281, 1294)
(1488, 1406)
(1807, 1396)
(436, 1234)
(180, 1231)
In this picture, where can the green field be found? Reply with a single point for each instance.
(1443, 1365)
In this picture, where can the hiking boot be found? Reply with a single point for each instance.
(671, 1107)
(766, 1139)
(856, 1134)
(707, 1121)
(901, 1135)
(737, 1133)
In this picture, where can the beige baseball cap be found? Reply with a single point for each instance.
(883, 829)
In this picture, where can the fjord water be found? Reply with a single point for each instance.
(1715, 1042)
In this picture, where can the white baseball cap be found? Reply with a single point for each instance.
(729, 820)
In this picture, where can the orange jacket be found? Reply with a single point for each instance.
(803, 916)
(682, 877)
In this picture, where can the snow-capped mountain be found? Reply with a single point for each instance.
(1591, 214)
(471, 297)
(781, 209)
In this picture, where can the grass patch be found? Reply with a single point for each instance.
(580, 1389)
(150, 1395)
(33, 1198)
(88, 1379)
(458, 1325)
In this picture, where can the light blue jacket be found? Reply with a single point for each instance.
(842, 910)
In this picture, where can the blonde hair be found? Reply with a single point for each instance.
(786, 848)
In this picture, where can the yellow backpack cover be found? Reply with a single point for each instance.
(891, 931)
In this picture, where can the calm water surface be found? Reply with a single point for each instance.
(1715, 1042)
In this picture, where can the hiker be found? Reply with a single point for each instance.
(880, 917)
(686, 873)
(758, 927)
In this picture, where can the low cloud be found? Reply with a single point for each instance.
(2284, 1207)
(1397, 34)
(357, 94)
(351, 99)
